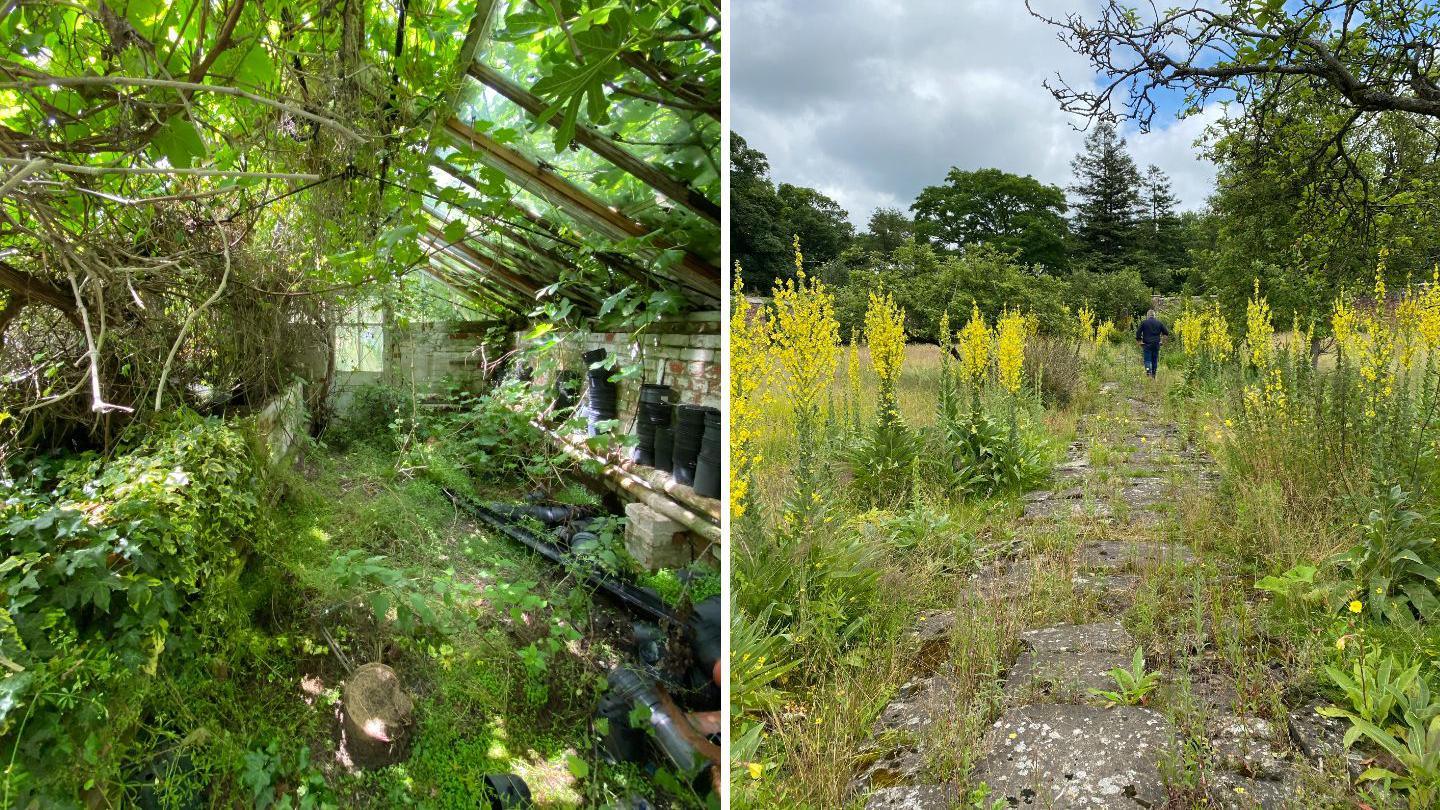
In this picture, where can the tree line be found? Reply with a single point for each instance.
(983, 234)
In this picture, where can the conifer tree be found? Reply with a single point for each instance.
(1107, 186)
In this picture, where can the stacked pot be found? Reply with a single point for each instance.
(654, 416)
(689, 433)
(603, 397)
(707, 468)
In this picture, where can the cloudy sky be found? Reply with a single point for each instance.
(871, 100)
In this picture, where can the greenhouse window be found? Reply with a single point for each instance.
(360, 340)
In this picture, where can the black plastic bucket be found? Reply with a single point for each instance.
(689, 434)
(664, 448)
(707, 466)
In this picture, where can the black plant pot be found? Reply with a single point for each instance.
(664, 448)
(707, 477)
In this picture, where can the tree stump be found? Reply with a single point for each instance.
(377, 716)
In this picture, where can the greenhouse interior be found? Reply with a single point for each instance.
(359, 403)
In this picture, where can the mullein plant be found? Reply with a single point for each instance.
(805, 344)
(990, 454)
(883, 460)
(749, 365)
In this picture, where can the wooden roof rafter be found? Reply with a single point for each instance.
(517, 258)
(482, 265)
(551, 230)
(591, 138)
(529, 174)
(480, 294)
(539, 268)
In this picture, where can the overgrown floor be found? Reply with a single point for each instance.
(1104, 573)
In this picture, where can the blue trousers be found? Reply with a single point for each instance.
(1152, 358)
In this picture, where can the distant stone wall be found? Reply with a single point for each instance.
(428, 354)
(683, 353)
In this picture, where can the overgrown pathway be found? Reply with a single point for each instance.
(1043, 736)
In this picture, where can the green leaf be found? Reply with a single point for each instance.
(579, 767)
(380, 605)
(455, 230)
(180, 142)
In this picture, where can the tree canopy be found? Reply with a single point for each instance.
(990, 206)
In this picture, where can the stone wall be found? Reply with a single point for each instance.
(427, 354)
(683, 353)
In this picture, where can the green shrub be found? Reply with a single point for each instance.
(370, 417)
(989, 455)
(1118, 295)
(1394, 565)
(115, 569)
(1055, 368)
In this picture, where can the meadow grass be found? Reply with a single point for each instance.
(1221, 645)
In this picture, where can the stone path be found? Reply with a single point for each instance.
(1055, 744)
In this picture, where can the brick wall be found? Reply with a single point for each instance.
(683, 353)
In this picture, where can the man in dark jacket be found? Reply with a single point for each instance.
(1148, 334)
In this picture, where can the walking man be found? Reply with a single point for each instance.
(1148, 334)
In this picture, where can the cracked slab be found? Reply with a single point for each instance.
(916, 706)
(899, 733)
(931, 638)
(1322, 738)
(1231, 791)
(1069, 659)
(1072, 757)
(1247, 746)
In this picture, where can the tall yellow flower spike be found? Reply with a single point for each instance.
(1429, 325)
(1217, 334)
(1010, 332)
(974, 342)
(805, 337)
(1103, 332)
(885, 335)
(1259, 331)
(1085, 319)
(749, 362)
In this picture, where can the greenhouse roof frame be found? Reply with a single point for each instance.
(521, 262)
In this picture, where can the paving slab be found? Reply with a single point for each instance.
(1249, 746)
(1231, 791)
(1069, 757)
(1066, 505)
(899, 733)
(916, 706)
(1125, 555)
(1322, 739)
(1069, 660)
(922, 797)
(931, 638)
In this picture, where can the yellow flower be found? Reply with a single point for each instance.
(1259, 331)
(974, 343)
(756, 770)
(805, 338)
(1010, 349)
(1103, 332)
(885, 335)
(749, 365)
(1356, 607)
(1085, 319)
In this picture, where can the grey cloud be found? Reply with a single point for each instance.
(871, 100)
